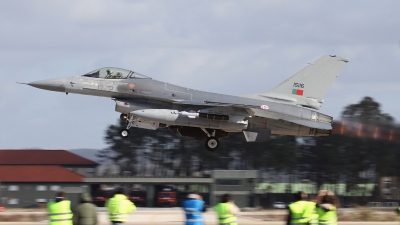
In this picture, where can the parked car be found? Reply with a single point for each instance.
(346, 205)
(279, 205)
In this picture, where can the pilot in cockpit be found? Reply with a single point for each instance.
(110, 74)
(118, 75)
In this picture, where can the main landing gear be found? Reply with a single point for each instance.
(212, 143)
(124, 133)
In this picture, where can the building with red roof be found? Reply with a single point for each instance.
(44, 157)
(31, 177)
(35, 174)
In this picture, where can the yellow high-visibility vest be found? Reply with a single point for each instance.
(301, 212)
(224, 217)
(119, 208)
(327, 217)
(312, 209)
(60, 212)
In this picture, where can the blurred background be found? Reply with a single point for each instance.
(230, 47)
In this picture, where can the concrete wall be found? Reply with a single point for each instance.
(235, 173)
(239, 183)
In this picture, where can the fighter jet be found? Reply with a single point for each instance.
(288, 109)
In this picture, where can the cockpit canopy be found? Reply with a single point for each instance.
(115, 73)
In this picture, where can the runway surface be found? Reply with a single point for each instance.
(175, 216)
(181, 223)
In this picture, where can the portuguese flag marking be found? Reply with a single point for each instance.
(297, 92)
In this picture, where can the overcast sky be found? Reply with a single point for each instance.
(230, 47)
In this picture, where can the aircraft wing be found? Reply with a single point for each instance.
(258, 112)
(215, 104)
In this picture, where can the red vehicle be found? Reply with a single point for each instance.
(100, 197)
(138, 197)
(166, 198)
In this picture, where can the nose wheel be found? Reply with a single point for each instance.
(124, 133)
(129, 120)
(212, 144)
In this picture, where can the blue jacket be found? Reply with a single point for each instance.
(194, 211)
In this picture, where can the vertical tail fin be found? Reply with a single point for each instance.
(315, 79)
(308, 86)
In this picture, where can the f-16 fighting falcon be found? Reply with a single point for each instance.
(288, 109)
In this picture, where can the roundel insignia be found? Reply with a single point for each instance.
(131, 86)
(264, 107)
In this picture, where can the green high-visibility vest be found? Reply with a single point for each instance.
(301, 212)
(327, 217)
(224, 217)
(119, 208)
(60, 212)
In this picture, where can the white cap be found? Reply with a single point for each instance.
(194, 196)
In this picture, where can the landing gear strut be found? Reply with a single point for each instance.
(212, 143)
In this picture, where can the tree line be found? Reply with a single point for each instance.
(320, 160)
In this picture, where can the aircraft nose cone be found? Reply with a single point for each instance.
(51, 84)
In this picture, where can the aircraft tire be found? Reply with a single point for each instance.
(123, 117)
(212, 144)
(124, 133)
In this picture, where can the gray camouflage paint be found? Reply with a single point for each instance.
(154, 103)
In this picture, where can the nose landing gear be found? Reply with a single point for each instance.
(124, 133)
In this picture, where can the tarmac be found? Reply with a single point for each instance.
(181, 223)
(175, 216)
